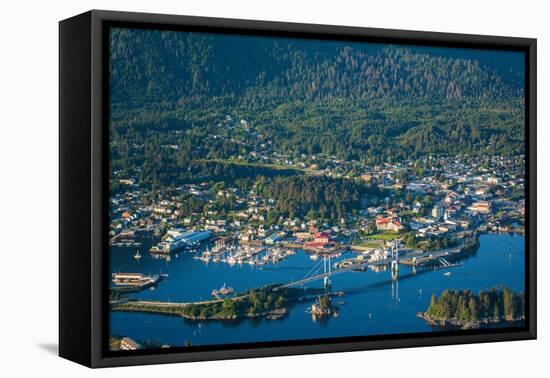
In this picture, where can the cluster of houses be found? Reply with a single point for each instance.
(430, 197)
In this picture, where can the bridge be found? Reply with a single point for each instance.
(313, 275)
(392, 260)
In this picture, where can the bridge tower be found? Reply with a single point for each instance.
(327, 271)
(395, 262)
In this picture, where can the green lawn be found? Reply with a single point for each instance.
(385, 237)
(371, 244)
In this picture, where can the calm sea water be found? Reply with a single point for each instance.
(374, 303)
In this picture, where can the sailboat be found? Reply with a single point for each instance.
(137, 256)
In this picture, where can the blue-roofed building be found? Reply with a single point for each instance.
(271, 239)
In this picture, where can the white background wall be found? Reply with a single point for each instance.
(29, 188)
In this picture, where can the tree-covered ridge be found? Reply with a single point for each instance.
(496, 304)
(372, 132)
(171, 94)
(174, 66)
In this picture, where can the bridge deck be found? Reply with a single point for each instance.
(388, 260)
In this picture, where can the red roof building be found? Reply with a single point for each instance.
(388, 224)
(321, 240)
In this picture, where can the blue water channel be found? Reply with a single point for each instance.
(373, 303)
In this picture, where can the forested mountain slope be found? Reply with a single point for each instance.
(354, 101)
(153, 66)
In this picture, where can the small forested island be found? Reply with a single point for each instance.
(270, 302)
(461, 308)
(323, 307)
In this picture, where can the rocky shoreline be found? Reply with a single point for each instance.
(455, 323)
(270, 315)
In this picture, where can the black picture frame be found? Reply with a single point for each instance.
(83, 167)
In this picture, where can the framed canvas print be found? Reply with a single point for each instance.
(234, 188)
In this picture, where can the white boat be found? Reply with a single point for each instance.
(137, 256)
(447, 274)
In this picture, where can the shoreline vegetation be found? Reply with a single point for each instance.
(269, 302)
(465, 310)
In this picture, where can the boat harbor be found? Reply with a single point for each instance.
(251, 254)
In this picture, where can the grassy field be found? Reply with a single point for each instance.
(371, 244)
(387, 236)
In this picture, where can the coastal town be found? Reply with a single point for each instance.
(312, 188)
(429, 208)
(424, 203)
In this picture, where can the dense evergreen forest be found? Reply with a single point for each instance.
(154, 66)
(177, 98)
(314, 197)
(463, 306)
